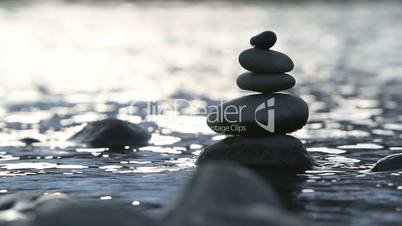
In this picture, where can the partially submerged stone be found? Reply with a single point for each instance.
(112, 133)
(29, 141)
(388, 163)
(280, 151)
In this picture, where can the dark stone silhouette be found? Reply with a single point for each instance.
(29, 141)
(260, 120)
(270, 151)
(388, 163)
(264, 40)
(265, 83)
(225, 194)
(265, 61)
(291, 114)
(114, 134)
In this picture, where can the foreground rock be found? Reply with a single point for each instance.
(265, 61)
(265, 83)
(224, 194)
(248, 115)
(35, 209)
(112, 133)
(89, 213)
(388, 163)
(219, 194)
(277, 151)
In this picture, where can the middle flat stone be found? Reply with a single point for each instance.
(265, 61)
(265, 83)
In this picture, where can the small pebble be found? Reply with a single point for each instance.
(264, 40)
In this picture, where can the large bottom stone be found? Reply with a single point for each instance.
(278, 151)
(112, 133)
(259, 114)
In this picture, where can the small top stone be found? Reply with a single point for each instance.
(264, 40)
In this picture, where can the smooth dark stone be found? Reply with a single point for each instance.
(265, 61)
(226, 194)
(388, 163)
(265, 83)
(112, 133)
(89, 213)
(29, 141)
(264, 40)
(248, 115)
(280, 151)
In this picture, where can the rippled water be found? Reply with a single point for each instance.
(65, 64)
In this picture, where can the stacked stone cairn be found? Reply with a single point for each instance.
(258, 123)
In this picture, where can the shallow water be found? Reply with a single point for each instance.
(65, 64)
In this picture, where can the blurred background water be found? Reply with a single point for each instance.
(66, 63)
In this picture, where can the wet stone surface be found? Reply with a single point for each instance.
(348, 69)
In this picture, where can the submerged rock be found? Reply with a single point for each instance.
(112, 133)
(280, 151)
(226, 194)
(388, 163)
